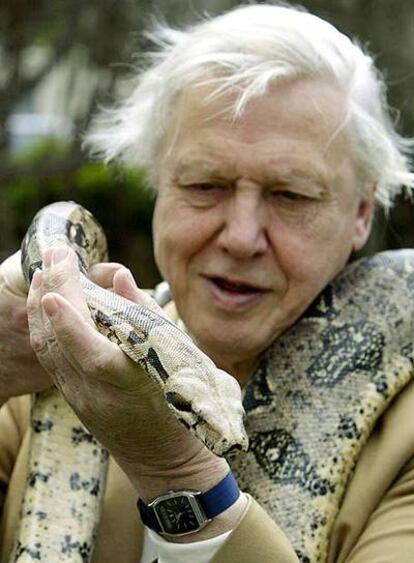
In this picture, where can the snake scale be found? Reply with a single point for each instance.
(310, 406)
(64, 457)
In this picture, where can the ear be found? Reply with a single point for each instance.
(363, 220)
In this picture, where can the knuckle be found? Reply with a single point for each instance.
(92, 365)
(55, 278)
(95, 365)
(38, 343)
(31, 307)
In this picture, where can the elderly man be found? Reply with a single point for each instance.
(266, 135)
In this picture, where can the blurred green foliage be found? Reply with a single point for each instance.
(73, 36)
(119, 198)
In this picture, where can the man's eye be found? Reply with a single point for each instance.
(289, 195)
(205, 186)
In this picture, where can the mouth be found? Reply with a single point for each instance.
(235, 286)
(234, 294)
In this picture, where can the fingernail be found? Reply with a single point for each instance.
(50, 306)
(36, 280)
(130, 277)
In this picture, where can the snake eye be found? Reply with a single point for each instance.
(178, 402)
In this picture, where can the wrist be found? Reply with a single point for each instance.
(202, 472)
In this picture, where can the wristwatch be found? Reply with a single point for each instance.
(179, 513)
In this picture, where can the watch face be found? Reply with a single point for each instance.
(177, 515)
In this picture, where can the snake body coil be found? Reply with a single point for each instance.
(335, 370)
(67, 466)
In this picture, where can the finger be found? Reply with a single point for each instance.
(61, 275)
(103, 273)
(13, 294)
(40, 328)
(11, 275)
(89, 353)
(124, 285)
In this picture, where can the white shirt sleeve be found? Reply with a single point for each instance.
(169, 552)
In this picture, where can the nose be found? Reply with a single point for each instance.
(243, 234)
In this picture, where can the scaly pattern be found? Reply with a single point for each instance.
(310, 407)
(67, 467)
(318, 393)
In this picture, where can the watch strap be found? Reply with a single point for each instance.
(219, 498)
(148, 516)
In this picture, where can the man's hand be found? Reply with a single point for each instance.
(111, 394)
(20, 371)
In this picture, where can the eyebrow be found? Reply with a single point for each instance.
(199, 166)
(300, 177)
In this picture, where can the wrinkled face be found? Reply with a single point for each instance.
(255, 216)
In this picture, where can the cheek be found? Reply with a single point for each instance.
(163, 226)
(179, 235)
(312, 252)
(157, 237)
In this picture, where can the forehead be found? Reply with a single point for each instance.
(295, 121)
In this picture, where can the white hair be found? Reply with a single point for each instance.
(244, 51)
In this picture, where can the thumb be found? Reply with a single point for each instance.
(11, 275)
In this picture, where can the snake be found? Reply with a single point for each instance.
(67, 465)
(292, 436)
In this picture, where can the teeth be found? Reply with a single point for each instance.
(236, 287)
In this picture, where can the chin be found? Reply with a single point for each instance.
(227, 347)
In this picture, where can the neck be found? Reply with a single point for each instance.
(241, 370)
